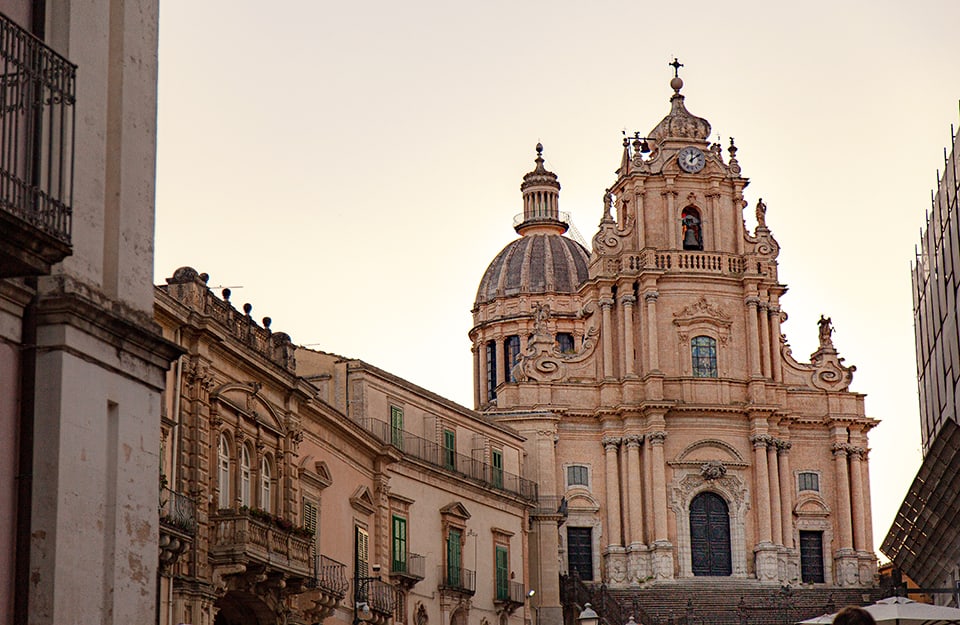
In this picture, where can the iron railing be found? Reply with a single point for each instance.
(457, 578)
(376, 593)
(511, 591)
(413, 566)
(329, 576)
(178, 510)
(438, 455)
(37, 120)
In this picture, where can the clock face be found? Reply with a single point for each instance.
(691, 159)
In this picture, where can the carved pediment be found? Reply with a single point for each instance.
(362, 501)
(702, 309)
(456, 510)
(245, 398)
(317, 475)
(810, 505)
(709, 450)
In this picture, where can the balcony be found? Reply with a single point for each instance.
(178, 526)
(457, 579)
(409, 571)
(326, 589)
(374, 600)
(256, 542)
(465, 467)
(37, 96)
(510, 595)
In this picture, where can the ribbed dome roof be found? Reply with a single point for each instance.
(534, 263)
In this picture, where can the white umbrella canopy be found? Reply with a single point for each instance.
(900, 611)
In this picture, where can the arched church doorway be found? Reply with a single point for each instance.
(241, 608)
(710, 535)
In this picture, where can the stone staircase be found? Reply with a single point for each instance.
(725, 601)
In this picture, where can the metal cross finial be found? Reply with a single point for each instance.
(676, 65)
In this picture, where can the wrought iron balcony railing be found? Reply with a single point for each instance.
(379, 595)
(37, 120)
(178, 511)
(457, 578)
(437, 455)
(413, 566)
(330, 576)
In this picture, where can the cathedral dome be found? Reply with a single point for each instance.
(534, 264)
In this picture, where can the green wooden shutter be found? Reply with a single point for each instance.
(449, 450)
(396, 427)
(503, 592)
(453, 558)
(497, 458)
(399, 545)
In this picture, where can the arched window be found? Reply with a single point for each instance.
(511, 352)
(223, 471)
(265, 501)
(703, 350)
(491, 354)
(244, 476)
(692, 229)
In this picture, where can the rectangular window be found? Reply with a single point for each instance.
(453, 558)
(809, 481)
(565, 343)
(577, 475)
(450, 450)
(503, 590)
(703, 350)
(496, 459)
(396, 427)
(399, 545)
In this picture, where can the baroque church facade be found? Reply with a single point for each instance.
(664, 413)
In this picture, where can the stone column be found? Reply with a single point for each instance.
(610, 446)
(650, 297)
(867, 505)
(763, 485)
(629, 358)
(786, 492)
(672, 218)
(606, 303)
(753, 340)
(776, 525)
(659, 486)
(776, 361)
(844, 523)
(857, 500)
(634, 489)
(765, 342)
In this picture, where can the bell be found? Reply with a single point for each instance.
(690, 239)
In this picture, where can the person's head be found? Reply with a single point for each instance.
(853, 615)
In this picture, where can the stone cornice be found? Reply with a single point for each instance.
(132, 333)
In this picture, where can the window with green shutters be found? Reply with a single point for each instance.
(396, 427)
(496, 459)
(449, 450)
(399, 545)
(453, 558)
(503, 590)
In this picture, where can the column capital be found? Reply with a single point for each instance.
(858, 453)
(633, 440)
(628, 300)
(657, 437)
(783, 447)
(751, 300)
(611, 443)
(651, 296)
(605, 302)
(760, 441)
(840, 449)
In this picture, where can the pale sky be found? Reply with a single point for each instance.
(354, 166)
